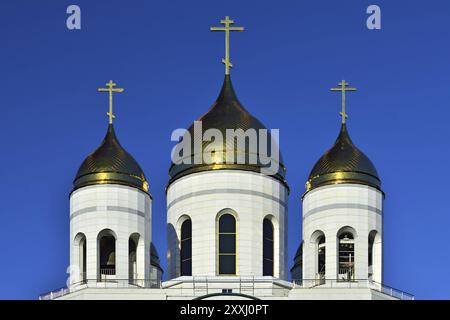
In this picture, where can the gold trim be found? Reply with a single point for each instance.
(212, 167)
(111, 178)
(342, 177)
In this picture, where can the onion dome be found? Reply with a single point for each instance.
(227, 113)
(110, 164)
(154, 257)
(343, 163)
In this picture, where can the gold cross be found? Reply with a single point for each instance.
(343, 88)
(111, 89)
(227, 22)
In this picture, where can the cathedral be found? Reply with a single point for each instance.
(227, 221)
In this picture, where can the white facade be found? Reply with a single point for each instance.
(249, 197)
(332, 210)
(117, 211)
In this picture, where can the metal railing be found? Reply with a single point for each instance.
(353, 283)
(331, 283)
(346, 274)
(391, 291)
(102, 284)
(54, 294)
(187, 287)
(201, 286)
(108, 271)
(205, 285)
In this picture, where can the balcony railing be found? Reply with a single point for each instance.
(198, 286)
(102, 283)
(392, 291)
(353, 283)
(108, 271)
(346, 274)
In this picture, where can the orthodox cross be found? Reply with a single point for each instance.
(343, 88)
(110, 88)
(227, 22)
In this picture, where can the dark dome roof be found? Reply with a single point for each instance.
(110, 164)
(343, 163)
(226, 113)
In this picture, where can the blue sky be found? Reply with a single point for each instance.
(164, 55)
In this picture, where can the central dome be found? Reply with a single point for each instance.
(227, 113)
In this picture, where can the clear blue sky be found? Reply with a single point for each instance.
(164, 55)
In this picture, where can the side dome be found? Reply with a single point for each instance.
(343, 163)
(110, 164)
(227, 113)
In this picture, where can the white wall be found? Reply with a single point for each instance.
(122, 209)
(201, 196)
(330, 208)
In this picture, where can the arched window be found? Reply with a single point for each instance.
(132, 257)
(321, 253)
(227, 245)
(80, 251)
(268, 248)
(186, 248)
(375, 248)
(83, 257)
(318, 246)
(346, 266)
(107, 253)
(370, 258)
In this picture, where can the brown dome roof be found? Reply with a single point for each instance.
(226, 113)
(110, 164)
(343, 163)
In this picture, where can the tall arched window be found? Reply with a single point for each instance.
(107, 253)
(268, 248)
(132, 257)
(83, 258)
(80, 251)
(227, 245)
(321, 253)
(317, 247)
(370, 258)
(186, 248)
(375, 256)
(346, 267)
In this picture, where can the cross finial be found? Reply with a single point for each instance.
(227, 22)
(110, 88)
(343, 88)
